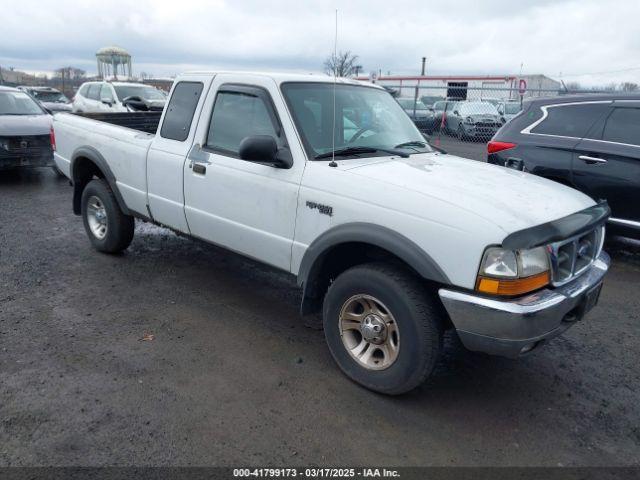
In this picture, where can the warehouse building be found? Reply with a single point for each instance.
(503, 87)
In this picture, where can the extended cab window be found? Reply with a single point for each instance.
(570, 120)
(179, 114)
(236, 115)
(623, 126)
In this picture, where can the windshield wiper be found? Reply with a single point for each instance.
(357, 150)
(412, 143)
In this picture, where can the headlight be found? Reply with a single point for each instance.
(469, 120)
(509, 272)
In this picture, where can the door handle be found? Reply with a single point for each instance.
(199, 168)
(588, 159)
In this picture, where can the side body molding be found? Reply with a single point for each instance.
(367, 233)
(96, 157)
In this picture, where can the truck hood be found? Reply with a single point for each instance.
(510, 199)
(12, 125)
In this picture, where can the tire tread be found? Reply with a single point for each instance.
(426, 308)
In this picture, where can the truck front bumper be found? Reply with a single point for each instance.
(513, 327)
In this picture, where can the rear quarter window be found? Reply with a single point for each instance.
(570, 120)
(180, 111)
(623, 126)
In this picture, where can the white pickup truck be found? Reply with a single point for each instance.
(392, 241)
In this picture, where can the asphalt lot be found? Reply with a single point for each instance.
(232, 377)
(468, 149)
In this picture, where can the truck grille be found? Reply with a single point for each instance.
(571, 257)
(32, 146)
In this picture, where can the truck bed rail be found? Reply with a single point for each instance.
(143, 121)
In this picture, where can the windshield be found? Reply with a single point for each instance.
(143, 91)
(407, 103)
(364, 117)
(430, 100)
(511, 108)
(53, 97)
(18, 103)
(478, 108)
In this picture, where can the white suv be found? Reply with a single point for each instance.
(117, 97)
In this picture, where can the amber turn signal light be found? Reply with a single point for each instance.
(512, 286)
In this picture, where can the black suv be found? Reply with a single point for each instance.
(591, 143)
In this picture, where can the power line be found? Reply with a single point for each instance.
(600, 73)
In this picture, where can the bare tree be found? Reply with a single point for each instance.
(629, 87)
(571, 86)
(70, 73)
(341, 65)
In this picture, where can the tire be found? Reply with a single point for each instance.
(108, 229)
(418, 317)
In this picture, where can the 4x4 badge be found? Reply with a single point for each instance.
(324, 209)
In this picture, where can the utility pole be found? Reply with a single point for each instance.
(415, 96)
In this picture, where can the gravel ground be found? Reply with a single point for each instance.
(178, 353)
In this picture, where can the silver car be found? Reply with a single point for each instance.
(508, 110)
(26, 136)
(474, 120)
(51, 98)
(421, 115)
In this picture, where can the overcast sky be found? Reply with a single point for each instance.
(591, 41)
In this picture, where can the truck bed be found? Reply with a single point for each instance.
(143, 121)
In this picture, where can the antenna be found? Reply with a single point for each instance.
(335, 74)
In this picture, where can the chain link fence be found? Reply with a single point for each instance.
(462, 119)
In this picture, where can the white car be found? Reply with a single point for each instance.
(111, 97)
(391, 241)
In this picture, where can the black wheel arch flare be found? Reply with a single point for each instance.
(311, 267)
(81, 175)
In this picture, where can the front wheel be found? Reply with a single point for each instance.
(108, 229)
(383, 328)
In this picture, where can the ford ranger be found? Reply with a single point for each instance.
(328, 179)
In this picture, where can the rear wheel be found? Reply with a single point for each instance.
(108, 229)
(383, 328)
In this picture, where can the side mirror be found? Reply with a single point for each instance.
(263, 149)
(106, 101)
(135, 103)
(455, 112)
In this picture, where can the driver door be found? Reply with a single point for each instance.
(244, 206)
